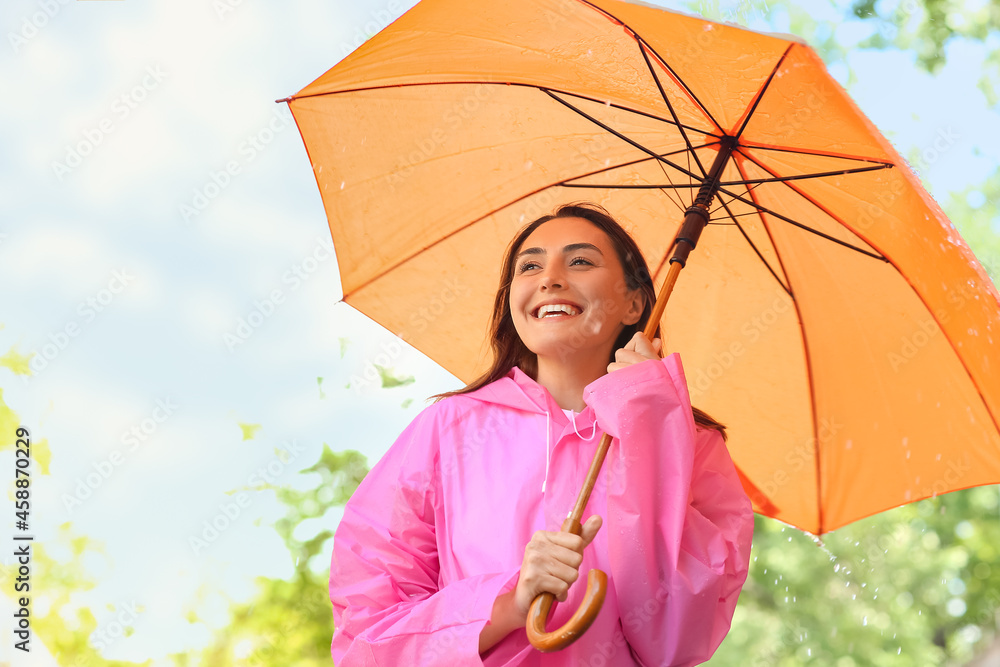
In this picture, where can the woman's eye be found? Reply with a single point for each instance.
(526, 266)
(582, 260)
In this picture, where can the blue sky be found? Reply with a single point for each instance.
(128, 270)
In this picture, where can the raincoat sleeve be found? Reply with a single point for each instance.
(686, 522)
(388, 608)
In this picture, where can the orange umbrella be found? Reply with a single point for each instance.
(831, 315)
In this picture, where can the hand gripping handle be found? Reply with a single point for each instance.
(541, 607)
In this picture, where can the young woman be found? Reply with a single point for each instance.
(455, 531)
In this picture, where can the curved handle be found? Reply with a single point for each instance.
(541, 606)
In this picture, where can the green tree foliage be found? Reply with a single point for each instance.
(925, 27)
(918, 585)
(976, 214)
(291, 621)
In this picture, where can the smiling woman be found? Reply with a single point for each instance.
(569, 304)
(453, 534)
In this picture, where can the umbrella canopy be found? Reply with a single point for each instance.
(831, 315)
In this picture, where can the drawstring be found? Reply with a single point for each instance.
(548, 436)
(548, 440)
(593, 432)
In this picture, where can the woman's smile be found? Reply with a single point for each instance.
(556, 310)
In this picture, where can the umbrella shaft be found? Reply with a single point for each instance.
(696, 216)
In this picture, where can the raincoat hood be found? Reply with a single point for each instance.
(516, 390)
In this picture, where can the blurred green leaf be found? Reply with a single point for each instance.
(390, 379)
(249, 430)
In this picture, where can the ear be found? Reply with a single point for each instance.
(635, 306)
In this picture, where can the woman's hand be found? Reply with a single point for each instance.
(637, 350)
(551, 564)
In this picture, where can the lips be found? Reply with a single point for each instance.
(556, 309)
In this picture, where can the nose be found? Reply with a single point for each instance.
(552, 278)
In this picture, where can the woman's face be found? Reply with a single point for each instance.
(568, 295)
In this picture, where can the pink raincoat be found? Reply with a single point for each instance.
(437, 529)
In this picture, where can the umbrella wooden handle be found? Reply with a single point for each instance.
(541, 607)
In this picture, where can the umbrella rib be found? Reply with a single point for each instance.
(733, 216)
(678, 202)
(760, 94)
(634, 186)
(759, 181)
(813, 201)
(808, 362)
(619, 166)
(505, 84)
(764, 209)
(785, 287)
(663, 62)
(799, 177)
(807, 151)
(670, 107)
(687, 141)
(618, 134)
(681, 126)
(722, 204)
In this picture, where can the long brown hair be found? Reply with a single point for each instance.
(510, 351)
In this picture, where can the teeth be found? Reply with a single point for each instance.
(557, 308)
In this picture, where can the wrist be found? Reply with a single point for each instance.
(506, 614)
(504, 619)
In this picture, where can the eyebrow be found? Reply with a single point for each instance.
(572, 247)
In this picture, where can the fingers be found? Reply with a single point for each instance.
(552, 562)
(644, 346)
(548, 567)
(637, 350)
(590, 528)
